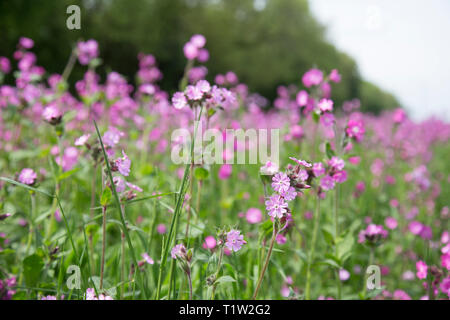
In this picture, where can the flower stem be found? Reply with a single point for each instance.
(190, 285)
(102, 267)
(219, 265)
(336, 236)
(312, 250)
(266, 263)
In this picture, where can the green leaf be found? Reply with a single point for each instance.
(330, 152)
(331, 262)
(225, 279)
(345, 247)
(106, 197)
(201, 173)
(67, 174)
(32, 267)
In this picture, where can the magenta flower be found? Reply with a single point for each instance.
(301, 162)
(112, 137)
(318, 169)
(253, 216)
(327, 183)
(203, 86)
(276, 206)
(123, 164)
(355, 129)
(336, 163)
(344, 275)
(325, 105)
(119, 183)
(161, 228)
(422, 269)
(27, 176)
(5, 65)
(335, 76)
(373, 233)
(52, 115)
(193, 93)
(210, 242)
(87, 51)
(178, 251)
(225, 171)
(134, 187)
(147, 258)
(26, 43)
(415, 227)
(391, 223)
(198, 40)
(290, 194)
(179, 100)
(82, 140)
(340, 176)
(281, 182)
(270, 168)
(312, 77)
(302, 98)
(445, 261)
(235, 240)
(190, 51)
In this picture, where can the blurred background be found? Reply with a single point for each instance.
(266, 42)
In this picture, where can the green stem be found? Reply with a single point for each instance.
(312, 250)
(336, 237)
(266, 263)
(219, 265)
(102, 265)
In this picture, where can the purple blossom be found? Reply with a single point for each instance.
(281, 182)
(234, 240)
(276, 206)
(27, 176)
(123, 164)
(178, 251)
(179, 100)
(327, 183)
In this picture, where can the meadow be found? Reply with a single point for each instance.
(92, 205)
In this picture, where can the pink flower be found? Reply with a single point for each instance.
(58, 216)
(27, 176)
(391, 223)
(270, 168)
(373, 233)
(5, 65)
(82, 140)
(280, 182)
(276, 206)
(340, 176)
(422, 269)
(399, 115)
(26, 43)
(401, 295)
(336, 163)
(344, 275)
(335, 76)
(325, 105)
(190, 51)
(161, 228)
(312, 77)
(301, 162)
(355, 129)
(147, 258)
(112, 137)
(178, 251)
(123, 164)
(415, 227)
(234, 240)
(203, 55)
(302, 98)
(134, 187)
(179, 100)
(225, 171)
(203, 86)
(280, 238)
(87, 51)
(253, 216)
(198, 40)
(327, 183)
(119, 183)
(318, 169)
(445, 261)
(210, 242)
(445, 286)
(193, 93)
(52, 115)
(290, 194)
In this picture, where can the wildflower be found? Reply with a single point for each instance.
(90, 295)
(336, 163)
(302, 98)
(290, 194)
(52, 115)
(179, 100)
(193, 93)
(415, 227)
(82, 140)
(270, 168)
(49, 298)
(87, 51)
(112, 137)
(253, 216)
(161, 228)
(198, 40)
(335, 76)
(280, 182)
(318, 169)
(147, 258)
(225, 171)
(355, 129)
(276, 206)
(401, 295)
(399, 115)
(344, 275)
(280, 238)
(5, 65)
(327, 183)
(119, 183)
(391, 223)
(445, 261)
(234, 240)
(301, 162)
(372, 234)
(203, 86)
(123, 164)
(422, 269)
(312, 77)
(27, 176)
(325, 105)
(210, 242)
(445, 286)
(178, 251)
(26, 43)
(302, 175)
(340, 176)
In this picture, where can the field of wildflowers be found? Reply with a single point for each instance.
(92, 205)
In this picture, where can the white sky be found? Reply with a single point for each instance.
(401, 45)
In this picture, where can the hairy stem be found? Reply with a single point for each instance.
(312, 250)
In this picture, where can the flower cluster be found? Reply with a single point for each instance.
(373, 234)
